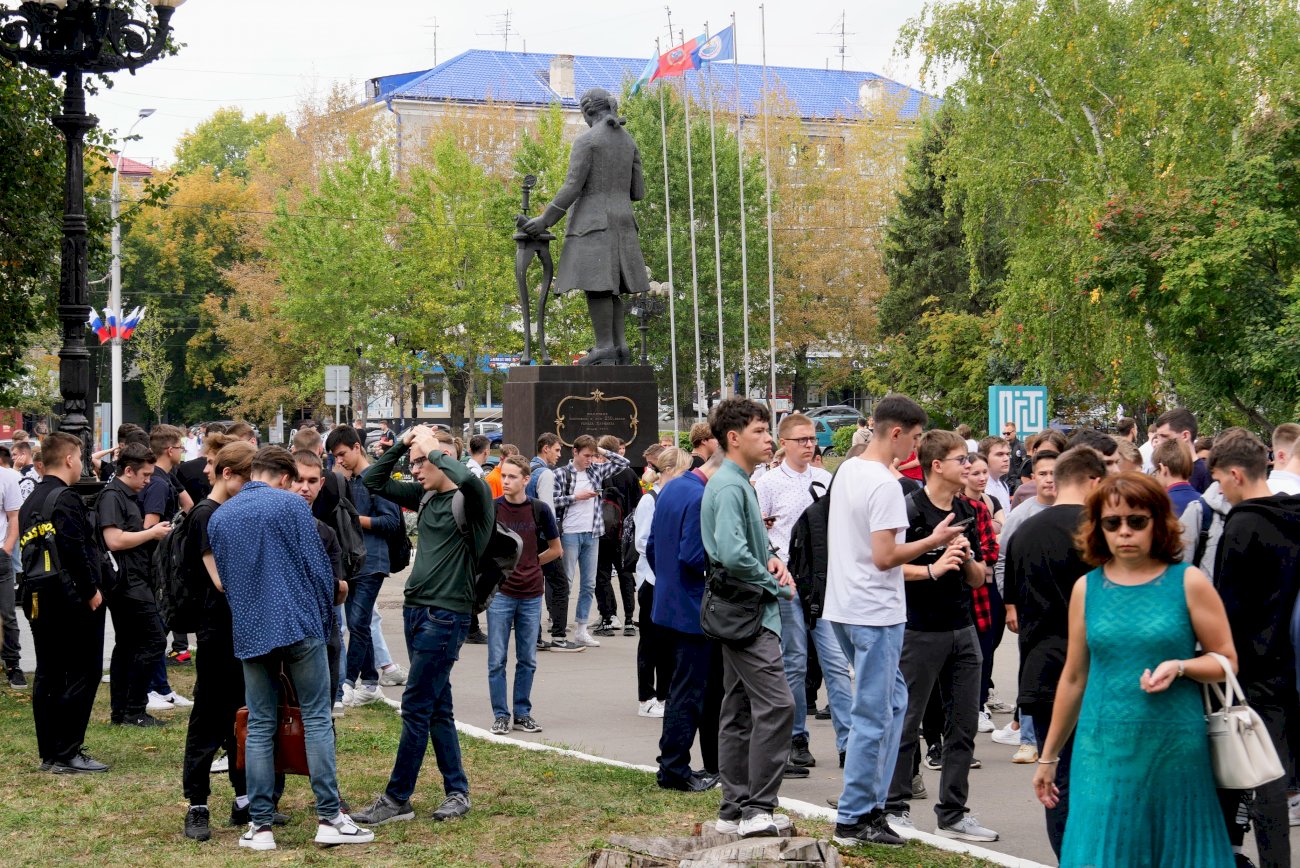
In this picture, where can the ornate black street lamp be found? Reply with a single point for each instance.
(71, 38)
(649, 305)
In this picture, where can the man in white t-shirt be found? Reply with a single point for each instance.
(868, 610)
(783, 494)
(10, 501)
(1285, 478)
(479, 446)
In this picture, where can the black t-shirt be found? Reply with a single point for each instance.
(941, 604)
(193, 477)
(1042, 567)
(526, 581)
(117, 508)
(909, 485)
(161, 497)
(216, 611)
(696, 462)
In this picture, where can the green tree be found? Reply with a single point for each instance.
(928, 261)
(152, 362)
(223, 143)
(1070, 106)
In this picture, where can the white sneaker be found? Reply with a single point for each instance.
(341, 830)
(662, 706)
(1007, 735)
(177, 700)
(393, 676)
(1293, 810)
(967, 829)
(997, 706)
(257, 840)
(758, 826)
(337, 711)
(363, 694)
(1025, 754)
(158, 702)
(104, 679)
(582, 637)
(901, 820)
(728, 827)
(986, 722)
(650, 708)
(221, 764)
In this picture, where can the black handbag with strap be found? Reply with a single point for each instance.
(731, 611)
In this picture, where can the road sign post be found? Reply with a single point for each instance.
(338, 387)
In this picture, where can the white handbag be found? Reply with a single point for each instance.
(1241, 750)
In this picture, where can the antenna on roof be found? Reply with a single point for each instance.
(502, 28)
(838, 29)
(434, 28)
(669, 12)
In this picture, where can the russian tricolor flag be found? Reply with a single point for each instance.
(97, 326)
(131, 322)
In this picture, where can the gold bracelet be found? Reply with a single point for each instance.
(1051, 762)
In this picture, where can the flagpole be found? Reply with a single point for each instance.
(771, 273)
(744, 256)
(700, 398)
(717, 232)
(668, 220)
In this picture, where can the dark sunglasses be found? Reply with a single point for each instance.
(1136, 521)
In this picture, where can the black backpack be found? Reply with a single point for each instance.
(38, 550)
(630, 555)
(499, 557)
(399, 544)
(809, 553)
(179, 593)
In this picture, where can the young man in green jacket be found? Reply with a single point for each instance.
(439, 605)
(757, 706)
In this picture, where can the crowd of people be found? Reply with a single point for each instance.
(892, 582)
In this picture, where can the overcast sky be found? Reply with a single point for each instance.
(266, 55)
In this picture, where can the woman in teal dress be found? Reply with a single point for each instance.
(1141, 789)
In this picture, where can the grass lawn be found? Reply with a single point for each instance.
(530, 808)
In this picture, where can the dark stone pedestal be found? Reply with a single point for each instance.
(573, 400)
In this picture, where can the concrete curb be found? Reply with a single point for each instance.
(794, 806)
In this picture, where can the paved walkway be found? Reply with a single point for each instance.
(587, 702)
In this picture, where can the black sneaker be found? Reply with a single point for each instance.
(197, 825)
(606, 628)
(823, 713)
(242, 816)
(500, 726)
(143, 720)
(478, 637)
(567, 646)
(793, 771)
(543, 645)
(455, 805)
(17, 680)
(385, 810)
(871, 829)
(934, 758)
(629, 630)
(799, 753)
(527, 724)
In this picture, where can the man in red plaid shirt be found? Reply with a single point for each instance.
(940, 645)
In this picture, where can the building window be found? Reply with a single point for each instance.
(435, 396)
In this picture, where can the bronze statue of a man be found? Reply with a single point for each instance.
(602, 255)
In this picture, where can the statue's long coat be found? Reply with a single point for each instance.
(601, 250)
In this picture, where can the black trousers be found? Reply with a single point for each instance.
(557, 596)
(609, 561)
(218, 694)
(654, 654)
(694, 705)
(138, 647)
(990, 640)
(69, 642)
(1056, 817)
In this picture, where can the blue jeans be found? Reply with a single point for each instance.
(525, 618)
(433, 640)
(307, 663)
(794, 656)
(580, 551)
(879, 705)
(360, 607)
(1027, 734)
(342, 662)
(383, 656)
(839, 682)
(1057, 817)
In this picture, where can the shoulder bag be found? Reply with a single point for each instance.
(290, 734)
(1241, 749)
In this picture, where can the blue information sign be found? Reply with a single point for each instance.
(1026, 406)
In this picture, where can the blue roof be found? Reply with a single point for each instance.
(519, 78)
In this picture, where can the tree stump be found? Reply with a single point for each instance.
(708, 848)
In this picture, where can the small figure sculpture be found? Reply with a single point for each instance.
(602, 255)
